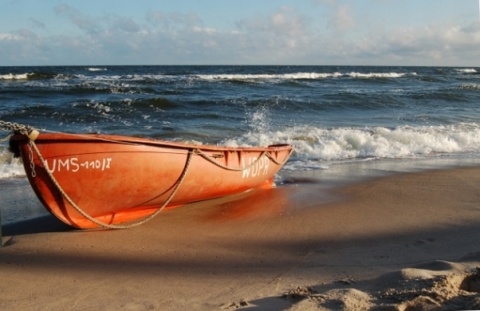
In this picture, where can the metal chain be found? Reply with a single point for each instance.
(30, 157)
(6, 138)
(15, 127)
(26, 130)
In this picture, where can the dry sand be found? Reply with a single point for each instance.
(405, 242)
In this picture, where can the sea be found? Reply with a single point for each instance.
(345, 122)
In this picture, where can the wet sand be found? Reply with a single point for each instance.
(402, 242)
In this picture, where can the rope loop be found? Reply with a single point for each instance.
(32, 134)
(264, 153)
(209, 159)
(103, 224)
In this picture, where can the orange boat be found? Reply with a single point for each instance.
(93, 180)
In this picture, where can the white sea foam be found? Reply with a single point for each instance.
(96, 69)
(218, 77)
(99, 107)
(316, 147)
(303, 76)
(291, 76)
(9, 166)
(467, 70)
(12, 76)
(11, 170)
(470, 86)
(376, 75)
(321, 145)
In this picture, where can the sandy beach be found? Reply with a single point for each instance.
(404, 242)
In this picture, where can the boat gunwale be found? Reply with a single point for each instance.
(57, 139)
(80, 138)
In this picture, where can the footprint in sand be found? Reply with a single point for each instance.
(421, 242)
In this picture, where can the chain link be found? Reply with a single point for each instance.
(6, 138)
(26, 130)
(15, 127)
(30, 157)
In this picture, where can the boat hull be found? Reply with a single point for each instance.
(116, 179)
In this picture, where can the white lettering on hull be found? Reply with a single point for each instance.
(254, 167)
(74, 165)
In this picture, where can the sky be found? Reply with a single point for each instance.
(240, 32)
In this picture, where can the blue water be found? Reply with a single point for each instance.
(335, 116)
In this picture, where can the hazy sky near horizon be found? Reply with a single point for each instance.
(257, 32)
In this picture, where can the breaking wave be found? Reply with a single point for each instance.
(321, 145)
(316, 146)
(9, 166)
(304, 76)
(330, 113)
(97, 69)
(204, 77)
(13, 76)
(467, 70)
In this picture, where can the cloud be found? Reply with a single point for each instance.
(342, 20)
(36, 23)
(9, 37)
(281, 36)
(174, 21)
(89, 24)
(435, 45)
(276, 37)
(123, 24)
(327, 2)
(22, 45)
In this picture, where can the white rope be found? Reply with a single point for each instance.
(27, 131)
(103, 224)
(264, 153)
(206, 157)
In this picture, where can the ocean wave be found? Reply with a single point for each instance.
(470, 86)
(291, 76)
(326, 145)
(15, 76)
(329, 113)
(381, 142)
(65, 76)
(303, 76)
(93, 69)
(10, 166)
(168, 78)
(466, 70)
(378, 75)
(33, 76)
(337, 144)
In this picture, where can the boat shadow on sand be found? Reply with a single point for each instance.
(256, 204)
(47, 223)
